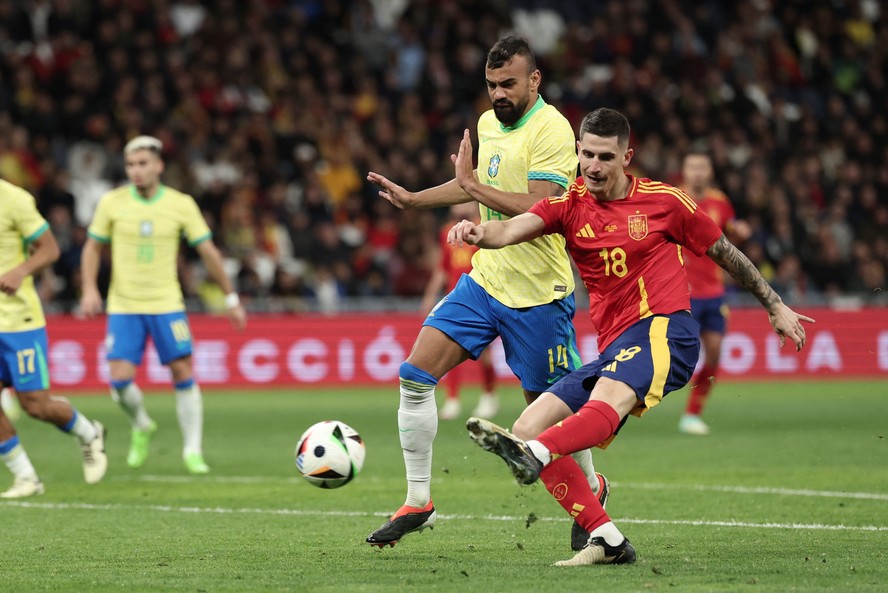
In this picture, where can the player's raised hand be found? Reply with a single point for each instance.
(465, 231)
(91, 303)
(394, 193)
(462, 163)
(788, 324)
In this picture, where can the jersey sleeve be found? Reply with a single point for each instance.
(553, 157)
(195, 227)
(28, 221)
(100, 227)
(551, 210)
(694, 229)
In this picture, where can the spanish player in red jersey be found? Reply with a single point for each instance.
(628, 237)
(453, 263)
(707, 284)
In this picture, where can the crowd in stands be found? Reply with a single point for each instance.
(272, 112)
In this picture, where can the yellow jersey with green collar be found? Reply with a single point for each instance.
(20, 223)
(145, 235)
(540, 145)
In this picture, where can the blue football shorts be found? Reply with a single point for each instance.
(539, 342)
(654, 356)
(23, 360)
(128, 333)
(711, 314)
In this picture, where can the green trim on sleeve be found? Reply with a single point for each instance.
(200, 239)
(33, 236)
(98, 238)
(554, 178)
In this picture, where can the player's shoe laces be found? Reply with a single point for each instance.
(488, 406)
(405, 520)
(24, 487)
(597, 551)
(194, 463)
(95, 461)
(579, 537)
(524, 465)
(138, 452)
(450, 410)
(693, 424)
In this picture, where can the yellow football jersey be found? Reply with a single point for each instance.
(540, 145)
(20, 223)
(145, 235)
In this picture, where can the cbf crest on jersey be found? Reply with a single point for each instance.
(493, 166)
(146, 228)
(638, 226)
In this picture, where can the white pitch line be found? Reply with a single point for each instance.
(309, 513)
(640, 485)
(756, 490)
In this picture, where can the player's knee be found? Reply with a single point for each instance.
(34, 403)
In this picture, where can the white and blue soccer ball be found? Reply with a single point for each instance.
(330, 454)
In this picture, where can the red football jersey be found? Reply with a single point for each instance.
(706, 277)
(455, 261)
(629, 252)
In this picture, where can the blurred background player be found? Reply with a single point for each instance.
(26, 246)
(707, 282)
(453, 263)
(522, 294)
(145, 222)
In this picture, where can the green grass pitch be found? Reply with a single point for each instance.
(789, 493)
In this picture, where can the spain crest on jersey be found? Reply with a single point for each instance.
(638, 226)
(493, 166)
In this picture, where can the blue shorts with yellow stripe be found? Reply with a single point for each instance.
(654, 356)
(128, 333)
(23, 360)
(539, 342)
(711, 314)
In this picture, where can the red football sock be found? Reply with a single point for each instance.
(488, 375)
(590, 426)
(701, 385)
(566, 482)
(454, 380)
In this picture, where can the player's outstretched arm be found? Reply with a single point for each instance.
(212, 259)
(494, 234)
(446, 194)
(44, 250)
(90, 298)
(785, 321)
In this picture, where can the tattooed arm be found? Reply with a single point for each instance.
(785, 321)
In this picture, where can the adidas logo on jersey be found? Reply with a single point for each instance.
(586, 232)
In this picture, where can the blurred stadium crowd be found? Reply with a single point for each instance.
(272, 112)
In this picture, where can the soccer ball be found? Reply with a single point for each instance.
(330, 454)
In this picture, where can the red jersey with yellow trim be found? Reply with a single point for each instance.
(706, 277)
(455, 261)
(629, 251)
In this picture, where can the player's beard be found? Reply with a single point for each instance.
(507, 112)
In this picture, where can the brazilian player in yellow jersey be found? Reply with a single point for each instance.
(27, 245)
(145, 222)
(524, 294)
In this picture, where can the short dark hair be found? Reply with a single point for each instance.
(507, 48)
(606, 123)
(697, 152)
